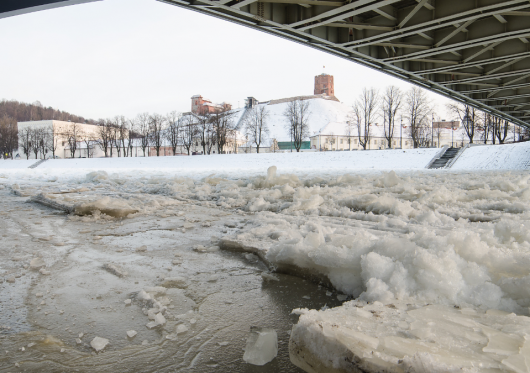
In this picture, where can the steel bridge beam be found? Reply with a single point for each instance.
(9, 8)
(476, 52)
(472, 52)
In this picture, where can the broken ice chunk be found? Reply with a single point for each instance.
(501, 343)
(115, 270)
(36, 264)
(175, 282)
(141, 249)
(262, 346)
(44, 272)
(106, 205)
(131, 333)
(99, 343)
(213, 278)
(203, 249)
(127, 302)
(151, 313)
(269, 277)
(252, 258)
(160, 319)
(181, 329)
(143, 296)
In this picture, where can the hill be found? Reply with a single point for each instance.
(24, 112)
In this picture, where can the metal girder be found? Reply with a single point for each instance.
(483, 42)
(9, 8)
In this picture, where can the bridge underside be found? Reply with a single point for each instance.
(477, 52)
(9, 8)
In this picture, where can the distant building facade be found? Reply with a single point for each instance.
(57, 137)
(200, 105)
(324, 85)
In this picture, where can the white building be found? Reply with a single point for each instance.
(57, 134)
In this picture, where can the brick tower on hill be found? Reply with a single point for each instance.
(324, 85)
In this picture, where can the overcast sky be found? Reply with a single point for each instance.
(123, 57)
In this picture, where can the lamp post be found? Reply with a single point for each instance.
(401, 133)
(452, 133)
(432, 131)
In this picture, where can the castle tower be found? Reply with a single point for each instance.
(196, 103)
(324, 85)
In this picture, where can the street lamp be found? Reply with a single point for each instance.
(401, 133)
(432, 131)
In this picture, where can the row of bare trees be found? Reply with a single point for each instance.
(209, 131)
(415, 108)
(119, 136)
(372, 106)
(482, 126)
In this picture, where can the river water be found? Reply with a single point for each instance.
(48, 320)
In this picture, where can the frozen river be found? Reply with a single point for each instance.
(216, 295)
(187, 261)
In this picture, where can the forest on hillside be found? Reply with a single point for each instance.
(12, 112)
(22, 112)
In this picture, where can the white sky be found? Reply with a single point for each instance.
(123, 57)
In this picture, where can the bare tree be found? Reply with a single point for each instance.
(256, 127)
(88, 138)
(115, 135)
(501, 129)
(54, 136)
(484, 125)
(364, 114)
(142, 125)
(25, 141)
(131, 133)
(223, 127)
(8, 136)
(72, 137)
(156, 131)
(204, 130)
(189, 131)
(297, 114)
(391, 104)
(173, 130)
(36, 138)
(469, 117)
(122, 134)
(43, 141)
(417, 111)
(104, 140)
(210, 135)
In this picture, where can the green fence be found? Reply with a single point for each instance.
(288, 145)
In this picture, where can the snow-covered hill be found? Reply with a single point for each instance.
(322, 112)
